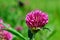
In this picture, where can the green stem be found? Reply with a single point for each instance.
(33, 38)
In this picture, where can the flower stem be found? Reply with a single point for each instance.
(33, 38)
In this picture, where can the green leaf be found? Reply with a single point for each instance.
(51, 32)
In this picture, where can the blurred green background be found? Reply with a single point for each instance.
(14, 14)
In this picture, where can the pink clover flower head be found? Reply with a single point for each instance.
(4, 35)
(19, 28)
(36, 19)
(7, 35)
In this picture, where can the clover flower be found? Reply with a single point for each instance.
(18, 28)
(4, 35)
(36, 19)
